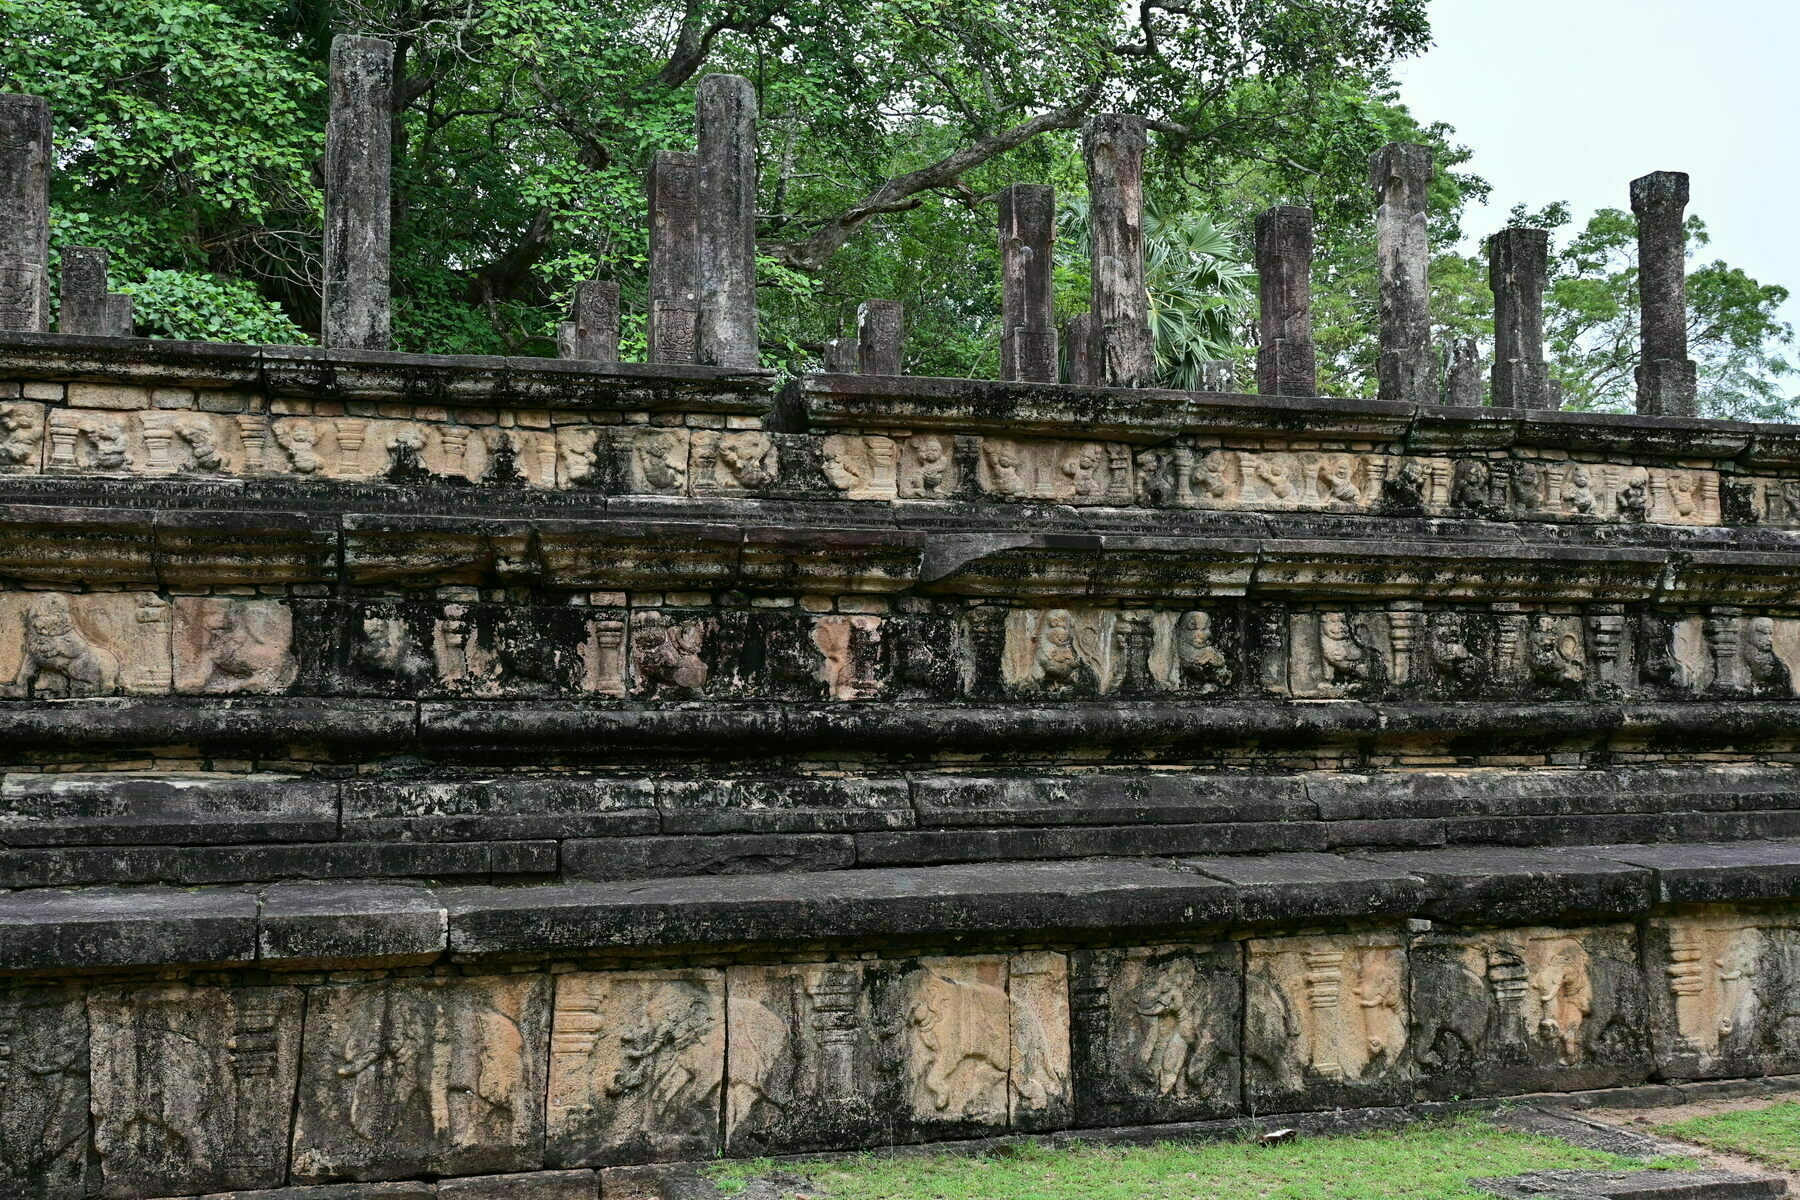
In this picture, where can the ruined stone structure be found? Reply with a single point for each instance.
(428, 769)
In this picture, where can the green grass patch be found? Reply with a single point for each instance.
(1428, 1161)
(1771, 1134)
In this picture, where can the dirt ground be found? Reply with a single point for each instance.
(1644, 1120)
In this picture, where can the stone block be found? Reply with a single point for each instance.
(228, 646)
(637, 1064)
(1155, 1033)
(536, 1185)
(1292, 887)
(123, 927)
(708, 854)
(1635, 1185)
(502, 807)
(44, 1152)
(337, 1191)
(57, 646)
(172, 808)
(436, 1076)
(1502, 1012)
(1081, 841)
(1721, 987)
(1506, 884)
(1713, 874)
(1325, 1022)
(794, 805)
(105, 395)
(1107, 799)
(339, 922)
(192, 1086)
(196, 865)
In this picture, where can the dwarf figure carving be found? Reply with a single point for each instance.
(928, 474)
(1336, 483)
(202, 443)
(107, 436)
(19, 435)
(1765, 667)
(1557, 657)
(1003, 464)
(665, 656)
(1212, 476)
(1343, 659)
(1275, 474)
(1578, 491)
(301, 443)
(1682, 486)
(1528, 486)
(748, 460)
(247, 646)
(59, 662)
(1634, 496)
(406, 463)
(1083, 470)
(1454, 662)
(388, 648)
(578, 457)
(1202, 664)
(1153, 483)
(1469, 486)
(1059, 664)
(1406, 487)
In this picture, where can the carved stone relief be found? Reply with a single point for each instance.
(732, 464)
(1094, 651)
(853, 656)
(1722, 994)
(800, 1059)
(44, 1092)
(21, 437)
(56, 646)
(861, 468)
(428, 1076)
(228, 646)
(358, 448)
(928, 467)
(1336, 652)
(1155, 1033)
(667, 660)
(1556, 654)
(192, 1086)
(88, 441)
(1064, 472)
(1325, 1021)
(637, 1060)
(1518, 1010)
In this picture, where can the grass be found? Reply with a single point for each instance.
(1428, 1161)
(1771, 1134)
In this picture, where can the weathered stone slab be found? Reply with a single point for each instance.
(123, 927)
(163, 809)
(794, 805)
(1503, 883)
(1286, 364)
(358, 167)
(1155, 1033)
(1635, 1185)
(1325, 1022)
(1721, 993)
(672, 325)
(706, 854)
(44, 1092)
(1288, 887)
(1501, 1012)
(341, 922)
(423, 1076)
(537, 1185)
(337, 1191)
(192, 1086)
(25, 213)
(502, 807)
(725, 122)
(1153, 798)
(637, 1064)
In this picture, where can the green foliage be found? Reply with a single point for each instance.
(207, 308)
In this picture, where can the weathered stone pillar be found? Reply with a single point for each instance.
(1285, 361)
(841, 356)
(725, 116)
(593, 333)
(83, 291)
(358, 180)
(1078, 338)
(1027, 323)
(880, 334)
(24, 213)
(1518, 260)
(674, 321)
(1462, 379)
(1665, 375)
(1401, 175)
(1123, 353)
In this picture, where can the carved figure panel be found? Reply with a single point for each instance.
(99, 442)
(410, 452)
(800, 1059)
(44, 1092)
(1059, 651)
(861, 468)
(428, 1076)
(58, 646)
(230, 646)
(1326, 1021)
(1556, 654)
(1155, 1033)
(1093, 651)
(732, 464)
(1065, 472)
(21, 437)
(668, 655)
(1518, 1010)
(192, 1086)
(1337, 652)
(188, 443)
(853, 656)
(1682, 497)
(1723, 994)
(637, 1061)
(928, 467)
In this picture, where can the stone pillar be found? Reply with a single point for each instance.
(1518, 260)
(674, 257)
(24, 213)
(725, 115)
(1665, 374)
(1285, 360)
(83, 292)
(358, 170)
(1078, 338)
(841, 356)
(593, 333)
(1027, 248)
(1401, 175)
(1123, 354)
(879, 336)
(1462, 379)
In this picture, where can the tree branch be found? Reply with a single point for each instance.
(905, 192)
(503, 277)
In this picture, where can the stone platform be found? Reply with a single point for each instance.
(423, 769)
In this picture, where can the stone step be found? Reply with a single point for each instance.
(1635, 1185)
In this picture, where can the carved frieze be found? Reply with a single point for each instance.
(21, 437)
(1337, 653)
(1155, 1033)
(231, 646)
(44, 1092)
(426, 1076)
(637, 1061)
(861, 468)
(1103, 651)
(192, 1086)
(1498, 1012)
(928, 467)
(853, 656)
(800, 1059)
(732, 464)
(57, 646)
(1723, 994)
(1325, 1021)
(1063, 472)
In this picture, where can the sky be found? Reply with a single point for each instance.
(1573, 99)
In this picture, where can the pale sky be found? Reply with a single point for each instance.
(1573, 99)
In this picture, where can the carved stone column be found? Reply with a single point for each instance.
(87, 307)
(725, 117)
(1401, 176)
(1123, 353)
(1462, 379)
(674, 256)
(593, 334)
(1665, 374)
(1518, 260)
(1078, 338)
(1286, 364)
(1027, 244)
(358, 169)
(841, 356)
(879, 336)
(24, 213)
